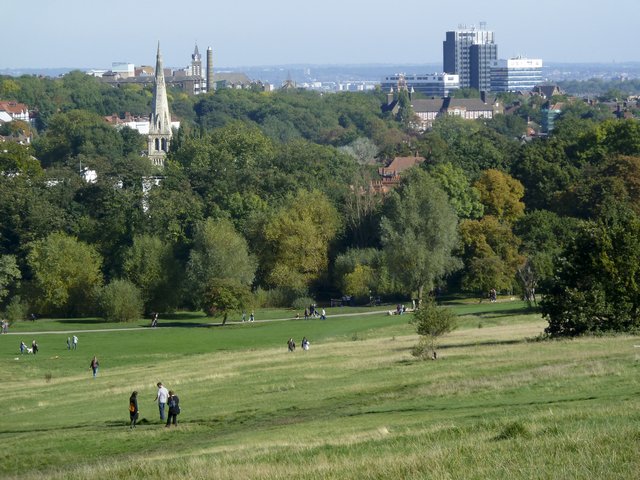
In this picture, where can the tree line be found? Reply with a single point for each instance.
(267, 199)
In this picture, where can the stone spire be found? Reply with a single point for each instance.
(160, 119)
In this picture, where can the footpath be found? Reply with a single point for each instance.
(204, 324)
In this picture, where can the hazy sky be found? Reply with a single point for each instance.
(84, 33)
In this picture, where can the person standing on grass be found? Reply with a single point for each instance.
(68, 343)
(94, 366)
(34, 347)
(74, 342)
(174, 409)
(133, 409)
(162, 396)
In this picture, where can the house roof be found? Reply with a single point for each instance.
(547, 91)
(13, 107)
(469, 104)
(231, 77)
(400, 164)
(427, 105)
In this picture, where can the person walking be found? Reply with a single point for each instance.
(162, 396)
(133, 409)
(74, 342)
(252, 317)
(174, 409)
(68, 343)
(94, 366)
(34, 347)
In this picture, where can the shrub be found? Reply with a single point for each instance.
(301, 303)
(431, 322)
(121, 301)
(16, 310)
(277, 297)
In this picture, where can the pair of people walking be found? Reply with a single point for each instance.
(168, 398)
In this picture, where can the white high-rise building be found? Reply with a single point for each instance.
(517, 74)
(429, 84)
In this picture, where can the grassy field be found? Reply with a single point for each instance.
(497, 403)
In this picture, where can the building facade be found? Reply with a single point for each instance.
(428, 110)
(432, 85)
(516, 74)
(10, 110)
(482, 57)
(459, 58)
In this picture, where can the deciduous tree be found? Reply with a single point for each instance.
(419, 233)
(66, 275)
(501, 195)
(597, 281)
(218, 253)
(296, 239)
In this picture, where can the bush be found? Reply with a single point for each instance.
(16, 310)
(301, 303)
(121, 301)
(279, 297)
(432, 322)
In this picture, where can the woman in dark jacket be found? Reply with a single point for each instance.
(174, 409)
(133, 409)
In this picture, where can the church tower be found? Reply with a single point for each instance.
(160, 119)
(196, 63)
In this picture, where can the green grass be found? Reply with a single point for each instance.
(357, 405)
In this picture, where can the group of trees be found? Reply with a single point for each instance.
(269, 196)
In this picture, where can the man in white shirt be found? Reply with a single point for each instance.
(162, 397)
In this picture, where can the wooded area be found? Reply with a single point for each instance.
(267, 199)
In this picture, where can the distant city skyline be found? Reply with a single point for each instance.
(80, 34)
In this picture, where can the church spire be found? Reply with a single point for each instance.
(160, 119)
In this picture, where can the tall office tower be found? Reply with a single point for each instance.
(196, 63)
(160, 119)
(459, 58)
(210, 85)
(482, 57)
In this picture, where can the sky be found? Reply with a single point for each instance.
(87, 34)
